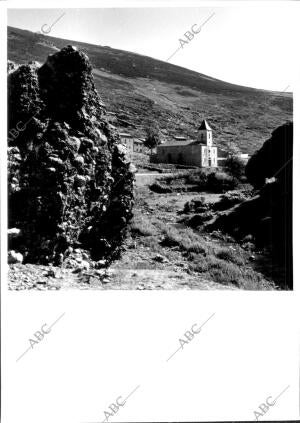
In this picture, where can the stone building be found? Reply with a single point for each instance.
(200, 152)
(133, 145)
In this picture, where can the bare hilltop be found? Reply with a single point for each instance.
(136, 87)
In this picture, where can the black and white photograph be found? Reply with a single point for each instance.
(149, 211)
(127, 171)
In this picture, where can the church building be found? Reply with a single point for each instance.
(200, 152)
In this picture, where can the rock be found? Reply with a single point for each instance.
(80, 266)
(79, 160)
(88, 143)
(50, 185)
(79, 180)
(199, 219)
(101, 135)
(132, 168)
(249, 246)
(100, 264)
(70, 263)
(13, 233)
(55, 161)
(14, 257)
(159, 258)
(13, 150)
(248, 238)
(11, 66)
(84, 265)
(50, 273)
(74, 143)
(122, 149)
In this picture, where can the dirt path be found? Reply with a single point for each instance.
(147, 178)
(160, 279)
(26, 277)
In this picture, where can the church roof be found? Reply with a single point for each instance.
(175, 143)
(179, 138)
(204, 125)
(179, 143)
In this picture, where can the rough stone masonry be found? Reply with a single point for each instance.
(70, 183)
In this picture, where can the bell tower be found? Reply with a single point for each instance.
(205, 134)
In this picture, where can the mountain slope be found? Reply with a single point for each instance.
(139, 88)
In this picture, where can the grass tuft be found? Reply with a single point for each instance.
(142, 226)
(230, 255)
(186, 239)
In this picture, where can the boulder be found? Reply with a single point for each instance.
(63, 162)
(266, 218)
(14, 257)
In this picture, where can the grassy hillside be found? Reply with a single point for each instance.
(138, 88)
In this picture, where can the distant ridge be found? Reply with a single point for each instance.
(140, 88)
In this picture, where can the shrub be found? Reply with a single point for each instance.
(150, 242)
(226, 274)
(220, 182)
(199, 219)
(230, 255)
(152, 136)
(168, 179)
(143, 227)
(219, 270)
(199, 178)
(230, 199)
(235, 167)
(200, 264)
(196, 206)
(186, 239)
(159, 188)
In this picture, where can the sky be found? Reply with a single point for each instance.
(251, 44)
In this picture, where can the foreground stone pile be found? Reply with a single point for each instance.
(70, 182)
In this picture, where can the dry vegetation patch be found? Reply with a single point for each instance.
(158, 240)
